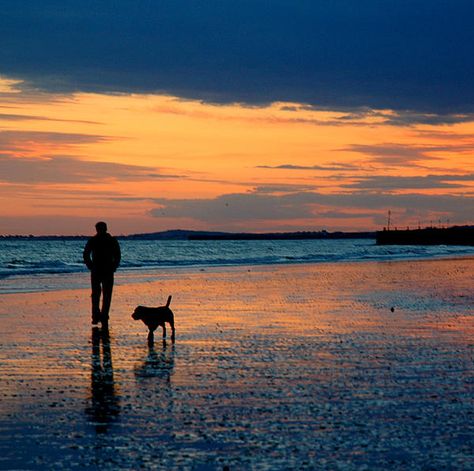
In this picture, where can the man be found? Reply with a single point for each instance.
(102, 257)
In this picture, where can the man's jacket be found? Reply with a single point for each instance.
(102, 253)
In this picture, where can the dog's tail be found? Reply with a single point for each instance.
(169, 301)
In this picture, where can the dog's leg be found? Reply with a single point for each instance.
(151, 338)
(164, 330)
(172, 329)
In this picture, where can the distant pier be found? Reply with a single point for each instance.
(456, 235)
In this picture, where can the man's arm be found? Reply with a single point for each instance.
(86, 255)
(117, 255)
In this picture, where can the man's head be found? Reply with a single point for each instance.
(101, 227)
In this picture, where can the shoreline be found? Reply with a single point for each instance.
(80, 279)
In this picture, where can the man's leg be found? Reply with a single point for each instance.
(95, 296)
(107, 286)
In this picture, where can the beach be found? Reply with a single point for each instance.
(362, 365)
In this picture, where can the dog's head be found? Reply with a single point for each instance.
(138, 313)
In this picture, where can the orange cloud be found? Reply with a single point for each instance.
(152, 159)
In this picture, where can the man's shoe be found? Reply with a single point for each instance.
(105, 322)
(95, 318)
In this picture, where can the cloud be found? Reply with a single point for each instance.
(238, 209)
(397, 55)
(393, 154)
(282, 188)
(446, 135)
(60, 169)
(360, 117)
(407, 155)
(353, 116)
(389, 183)
(344, 215)
(400, 155)
(25, 117)
(335, 167)
(411, 118)
(231, 208)
(21, 141)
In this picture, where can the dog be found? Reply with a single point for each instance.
(153, 317)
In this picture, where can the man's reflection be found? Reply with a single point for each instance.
(105, 406)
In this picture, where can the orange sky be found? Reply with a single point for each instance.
(148, 163)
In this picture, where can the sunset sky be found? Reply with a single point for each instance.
(243, 115)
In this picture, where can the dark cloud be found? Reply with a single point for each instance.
(447, 136)
(58, 169)
(393, 154)
(231, 208)
(389, 183)
(335, 167)
(410, 118)
(405, 54)
(25, 117)
(282, 188)
(236, 209)
(19, 117)
(344, 215)
(401, 155)
(19, 141)
(400, 118)
(358, 116)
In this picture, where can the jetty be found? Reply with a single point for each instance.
(455, 235)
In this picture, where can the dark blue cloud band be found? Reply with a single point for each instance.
(403, 54)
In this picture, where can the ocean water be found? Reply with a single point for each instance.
(36, 265)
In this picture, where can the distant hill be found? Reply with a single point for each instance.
(209, 235)
(175, 234)
(284, 235)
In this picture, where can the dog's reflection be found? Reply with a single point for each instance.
(154, 383)
(105, 406)
(157, 364)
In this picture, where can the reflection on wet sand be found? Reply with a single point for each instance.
(158, 365)
(303, 367)
(105, 404)
(153, 376)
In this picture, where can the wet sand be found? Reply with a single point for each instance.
(288, 367)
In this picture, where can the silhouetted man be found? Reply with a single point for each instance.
(102, 257)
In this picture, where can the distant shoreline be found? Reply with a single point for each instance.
(180, 234)
(455, 235)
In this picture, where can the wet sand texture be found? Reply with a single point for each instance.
(301, 367)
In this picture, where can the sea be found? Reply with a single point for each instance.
(29, 265)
